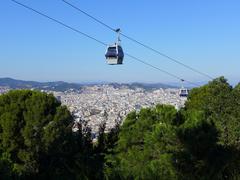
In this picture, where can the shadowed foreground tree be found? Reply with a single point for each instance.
(145, 145)
(218, 104)
(36, 139)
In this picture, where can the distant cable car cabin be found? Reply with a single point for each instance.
(114, 53)
(183, 92)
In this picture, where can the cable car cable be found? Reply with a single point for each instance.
(100, 42)
(59, 22)
(166, 72)
(95, 19)
(140, 43)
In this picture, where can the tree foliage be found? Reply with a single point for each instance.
(145, 145)
(36, 139)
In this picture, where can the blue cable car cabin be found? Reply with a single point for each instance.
(183, 92)
(114, 54)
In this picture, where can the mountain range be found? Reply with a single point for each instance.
(63, 86)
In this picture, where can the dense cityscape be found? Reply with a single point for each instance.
(98, 104)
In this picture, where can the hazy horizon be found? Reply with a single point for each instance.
(119, 82)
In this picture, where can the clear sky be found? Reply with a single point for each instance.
(204, 34)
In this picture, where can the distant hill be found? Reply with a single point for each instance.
(20, 84)
(63, 86)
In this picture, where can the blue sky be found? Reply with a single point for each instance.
(203, 34)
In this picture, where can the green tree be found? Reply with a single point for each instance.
(145, 145)
(212, 123)
(36, 139)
